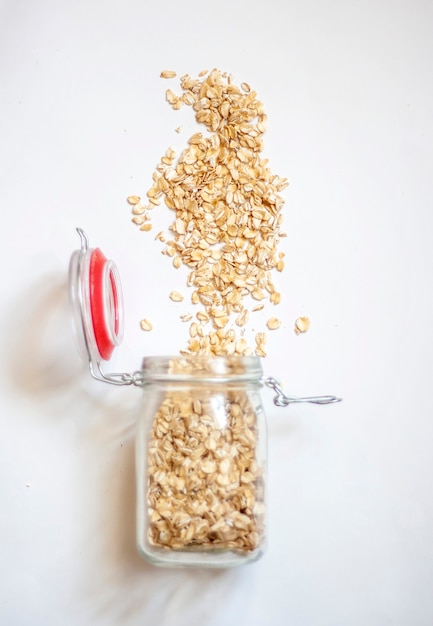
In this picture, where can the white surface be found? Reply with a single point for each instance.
(348, 88)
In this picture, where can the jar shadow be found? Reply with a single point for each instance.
(41, 353)
(113, 583)
(122, 588)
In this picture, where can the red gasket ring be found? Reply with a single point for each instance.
(104, 304)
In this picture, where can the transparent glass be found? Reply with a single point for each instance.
(201, 462)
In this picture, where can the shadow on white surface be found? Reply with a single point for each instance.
(42, 359)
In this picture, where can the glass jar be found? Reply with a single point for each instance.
(201, 436)
(201, 462)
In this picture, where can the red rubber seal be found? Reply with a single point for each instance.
(104, 304)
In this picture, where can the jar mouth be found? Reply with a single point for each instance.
(203, 367)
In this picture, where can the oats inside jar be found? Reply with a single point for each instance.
(205, 488)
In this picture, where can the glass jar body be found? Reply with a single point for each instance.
(201, 462)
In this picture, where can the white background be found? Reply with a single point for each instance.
(348, 89)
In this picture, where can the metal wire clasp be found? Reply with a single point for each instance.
(120, 379)
(281, 399)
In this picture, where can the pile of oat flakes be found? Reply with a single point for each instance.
(227, 214)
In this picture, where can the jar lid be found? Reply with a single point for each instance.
(96, 300)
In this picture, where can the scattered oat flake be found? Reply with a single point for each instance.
(171, 97)
(139, 209)
(160, 236)
(145, 325)
(146, 226)
(187, 317)
(175, 296)
(260, 339)
(133, 199)
(178, 129)
(273, 323)
(167, 74)
(302, 324)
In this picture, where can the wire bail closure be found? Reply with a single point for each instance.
(282, 400)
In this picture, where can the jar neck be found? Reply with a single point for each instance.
(202, 368)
